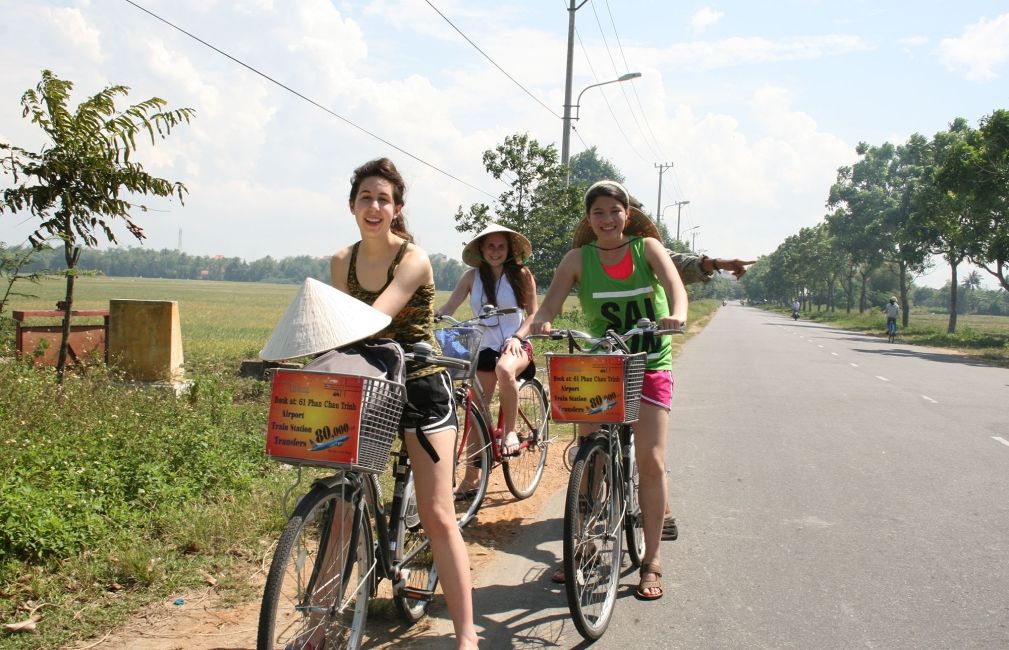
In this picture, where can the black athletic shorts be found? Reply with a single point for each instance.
(487, 360)
(430, 404)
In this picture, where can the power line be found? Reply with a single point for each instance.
(616, 70)
(487, 56)
(607, 101)
(634, 88)
(309, 100)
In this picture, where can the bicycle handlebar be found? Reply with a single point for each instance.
(424, 353)
(644, 326)
(489, 311)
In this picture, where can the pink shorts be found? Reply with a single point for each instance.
(657, 388)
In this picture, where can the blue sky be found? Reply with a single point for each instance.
(755, 104)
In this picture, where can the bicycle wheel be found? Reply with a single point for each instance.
(522, 473)
(592, 539)
(414, 559)
(321, 576)
(473, 461)
(634, 523)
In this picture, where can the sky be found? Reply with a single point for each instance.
(755, 105)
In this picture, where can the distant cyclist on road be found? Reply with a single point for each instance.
(892, 311)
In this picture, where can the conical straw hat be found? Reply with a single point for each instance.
(321, 318)
(521, 249)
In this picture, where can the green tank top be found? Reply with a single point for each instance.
(413, 323)
(614, 304)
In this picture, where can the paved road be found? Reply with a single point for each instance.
(832, 490)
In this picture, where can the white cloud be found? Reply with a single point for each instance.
(910, 43)
(980, 50)
(74, 30)
(736, 51)
(705, 18)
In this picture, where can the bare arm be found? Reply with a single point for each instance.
(462, 289)
(671, 282)
(338, 267)
(414, 271)
(564, 279)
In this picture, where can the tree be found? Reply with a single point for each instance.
(588, 167)
(540, 204)
(978, 170)
(77, 183)
(941, 216)
(13, 267)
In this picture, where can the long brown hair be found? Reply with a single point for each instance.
(515, 272)
(384, 168)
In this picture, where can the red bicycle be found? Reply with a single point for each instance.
(479, 445)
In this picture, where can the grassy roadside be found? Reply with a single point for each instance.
(112, 496)
(982, 337)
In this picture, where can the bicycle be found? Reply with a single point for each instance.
(342, 539)
(602, 493)
(891, 330)
(479, 446)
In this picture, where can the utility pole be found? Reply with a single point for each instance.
(662, 167)
(566, 136)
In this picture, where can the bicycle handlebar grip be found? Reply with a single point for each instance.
(424, 353)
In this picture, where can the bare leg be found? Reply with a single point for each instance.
(472, 477)
(437, 515)
(650, 448)
(509, 367)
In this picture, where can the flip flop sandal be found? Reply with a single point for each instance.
(669, 530)
(511, 450)
(644, 585)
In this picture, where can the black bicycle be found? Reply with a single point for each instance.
(343, 538)
(600, 385)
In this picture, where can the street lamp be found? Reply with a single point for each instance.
(693, 237)
(566, 138)
(679, 206)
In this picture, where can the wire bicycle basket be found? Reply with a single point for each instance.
(333, 420)
(460, 343)
(599, 388)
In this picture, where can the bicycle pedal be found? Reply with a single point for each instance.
(413, 593)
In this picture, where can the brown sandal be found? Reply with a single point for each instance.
(644, 585)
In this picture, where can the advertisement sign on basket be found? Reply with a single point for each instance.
(315, 417)
(587, 388)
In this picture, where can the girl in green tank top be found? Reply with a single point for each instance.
(623, 273)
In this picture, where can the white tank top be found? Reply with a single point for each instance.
(496, 330)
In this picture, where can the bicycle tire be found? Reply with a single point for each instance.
(307, 602)
(634, 523)
(473, 450)
(523, 473)
(592, 539)
(414, 559)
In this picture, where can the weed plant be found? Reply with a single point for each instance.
(112, 494)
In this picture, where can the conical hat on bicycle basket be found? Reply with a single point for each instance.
(521, 249)
(321, 318)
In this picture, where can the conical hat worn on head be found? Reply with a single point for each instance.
(521, 249)
(321, 318)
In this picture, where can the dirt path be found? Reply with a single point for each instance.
(205, 622)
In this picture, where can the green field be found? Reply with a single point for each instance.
(223, 320)
(982, 336)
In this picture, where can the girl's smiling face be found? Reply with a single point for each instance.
(494, 249)
(374, 206)
(607, 216)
